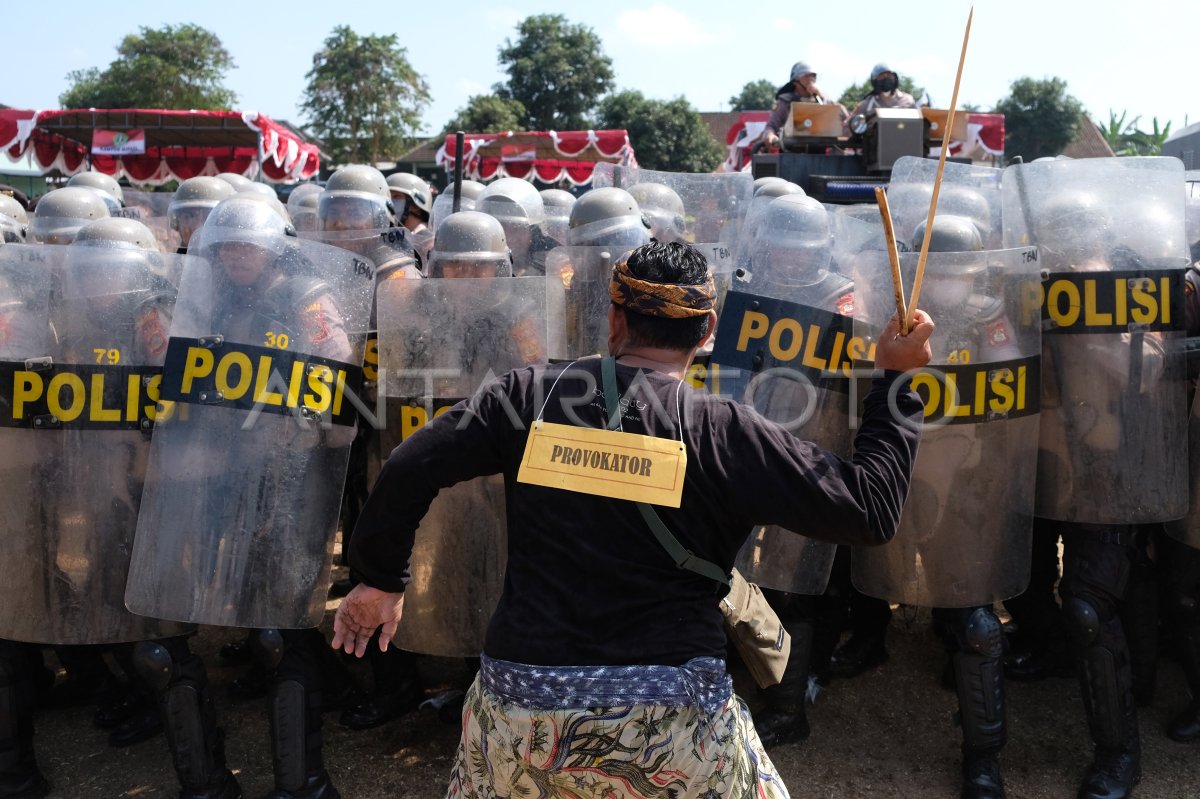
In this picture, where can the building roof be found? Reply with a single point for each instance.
(423, 153)
(1089, 141)
(719, 123)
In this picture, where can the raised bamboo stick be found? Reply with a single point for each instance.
(889, 233)
(937, 183)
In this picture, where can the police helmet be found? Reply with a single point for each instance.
(254, 187)
(12, 208)
(116, 232)
(98, 181)
(243, 218)
(193, 201)
(512, 199)
(472, 242)
(356, 197)
(238, 182)
(110, 257)
(959, 200)
(608, 217)
(951, 233)
(60, 214)
(759, 182)
(557, 202)
(412, 187)
(777, 188)
(794, 243)
(663, 208)
(1072, 225)
(302, 206)
(443, 204)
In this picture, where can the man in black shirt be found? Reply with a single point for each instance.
(601, 650)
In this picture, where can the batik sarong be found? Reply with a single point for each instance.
(609, 732)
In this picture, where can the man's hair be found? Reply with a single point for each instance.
(667, 263)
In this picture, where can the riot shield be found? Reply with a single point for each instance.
(81, 378)
(154, 203)
(441, 340)
(585, 273)
(788, 352)
(389, 249)
(965, 531)
(714, 204)
(1187, 529)
(168, 239)
(241, 507)
(1110, 233)
(968, 190)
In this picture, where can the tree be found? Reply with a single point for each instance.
(175, 67)
(857, 92)
(487, 113)
(757, 95)
(556, 70)
(363, 99)
(1125, 138)
(1040, 118)
(668, 135)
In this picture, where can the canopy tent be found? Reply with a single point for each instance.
(741, 136)
(550, 156)
(177, 144)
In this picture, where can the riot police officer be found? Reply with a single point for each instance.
(266, 288)
(193, 201)
(663, 207)
(60, 214)
(973, 634)
(443, 204)
(114, 195)
(518, 207)
(1110, 398)
(417, 206)
(302, 206)
(558, 204)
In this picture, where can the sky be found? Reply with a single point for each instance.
(1118, 56)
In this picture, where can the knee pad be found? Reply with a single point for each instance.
(154, 663)
(267, 646)
(1082, 619)
(983, 633)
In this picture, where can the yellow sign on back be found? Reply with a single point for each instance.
(605, 463)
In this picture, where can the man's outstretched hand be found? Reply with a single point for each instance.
(363, 611)
(902, 353)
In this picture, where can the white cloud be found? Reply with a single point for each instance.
(661, 26)
(782, 24)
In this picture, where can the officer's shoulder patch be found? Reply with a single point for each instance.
(997, 333)
(844, 304)
(153, 331)
(315, 323)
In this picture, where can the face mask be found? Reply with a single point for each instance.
(884, 85)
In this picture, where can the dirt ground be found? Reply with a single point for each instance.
(889, 733)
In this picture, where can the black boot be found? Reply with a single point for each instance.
(784, 721)
(979, 682)
(292, 658)
(1185, 727)
(397, 689)
(19, 774)
(1107, 687)
(197, 746)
